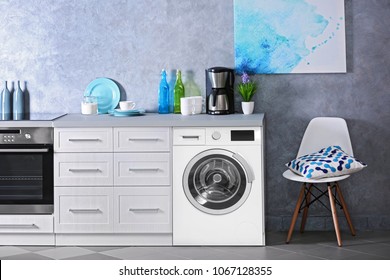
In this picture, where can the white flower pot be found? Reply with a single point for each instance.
(247, 107)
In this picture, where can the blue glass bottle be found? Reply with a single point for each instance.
(5, 103)
(163, 94)
(18, 103)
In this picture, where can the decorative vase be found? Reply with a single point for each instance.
(247, 107)
(18, 103)
(5, 103)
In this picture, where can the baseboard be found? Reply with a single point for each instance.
(114, 239)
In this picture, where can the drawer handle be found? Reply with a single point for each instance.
(144, 210)
(84, 140)
(144, 169)
(18, 226)
(144, 139)
(85, 210)
(190, 137)
(84, 170)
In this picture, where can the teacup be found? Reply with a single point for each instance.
(127, 105)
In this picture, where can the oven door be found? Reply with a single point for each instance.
(26, 179)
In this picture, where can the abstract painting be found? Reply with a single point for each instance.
(289, 36)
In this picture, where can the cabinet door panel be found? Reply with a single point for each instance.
(134, 169)
(142, 139)
(83, 169)
(83, 140)
(144, 209)
(83, 210)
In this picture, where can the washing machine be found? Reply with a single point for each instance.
(218, 186)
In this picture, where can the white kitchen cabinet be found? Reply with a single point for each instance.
(113, 186)
(26, 224)
(83, 169)
(83, 209)
(143, 210)
(83, 140)
(142, 169)
(142, 139)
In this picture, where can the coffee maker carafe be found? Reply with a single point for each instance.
(220, 91)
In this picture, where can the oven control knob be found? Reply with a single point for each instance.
(216, 135)
(27, 135)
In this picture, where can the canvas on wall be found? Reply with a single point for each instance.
(289, 36)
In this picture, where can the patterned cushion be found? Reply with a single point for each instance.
(328, 162)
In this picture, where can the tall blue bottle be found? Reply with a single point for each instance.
(18, 103)
(163, 94)
(5, 103)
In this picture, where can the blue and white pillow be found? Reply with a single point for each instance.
(328, 162)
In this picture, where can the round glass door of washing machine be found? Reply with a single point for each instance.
(217, 181)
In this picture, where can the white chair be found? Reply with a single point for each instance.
(321, 132)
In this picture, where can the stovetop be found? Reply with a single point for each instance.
(42, 116)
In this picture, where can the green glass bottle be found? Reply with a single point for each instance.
(178, 92)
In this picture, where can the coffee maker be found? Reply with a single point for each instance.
(219, 91)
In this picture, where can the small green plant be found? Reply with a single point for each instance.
(247, 88)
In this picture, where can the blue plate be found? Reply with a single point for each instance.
(107, 94)
(126, 113)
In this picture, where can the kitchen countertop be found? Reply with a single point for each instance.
(26, 123)
(34, 120)
(156, 120)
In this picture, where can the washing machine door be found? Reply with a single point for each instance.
(217, 181)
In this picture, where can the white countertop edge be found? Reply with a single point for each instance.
(27, 123)
(159, 120)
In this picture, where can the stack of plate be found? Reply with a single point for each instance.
(108, 95)
(126, 113)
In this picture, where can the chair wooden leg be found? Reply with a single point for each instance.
(306, 210)
(296, 212)
(346, 213)
(334, 215)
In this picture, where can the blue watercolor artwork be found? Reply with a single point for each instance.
(289, 36)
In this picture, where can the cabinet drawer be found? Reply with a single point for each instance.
(141, 139)
(146, 209)
(142, 169)
(189, 136)
(83, 210)
(83, 140)
(83, 169)
(26, 223)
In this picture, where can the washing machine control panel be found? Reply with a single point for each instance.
(233, 135)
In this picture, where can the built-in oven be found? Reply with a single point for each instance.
(26, 170)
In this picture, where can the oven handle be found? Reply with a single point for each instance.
(24, 150)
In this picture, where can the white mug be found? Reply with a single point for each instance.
(191, 105)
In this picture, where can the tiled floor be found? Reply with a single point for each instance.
(307, 246)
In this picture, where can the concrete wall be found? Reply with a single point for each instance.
(58, 47)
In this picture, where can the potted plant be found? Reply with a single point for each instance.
(247, 89)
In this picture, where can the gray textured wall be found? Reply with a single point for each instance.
(362, 97)
(58, 47)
